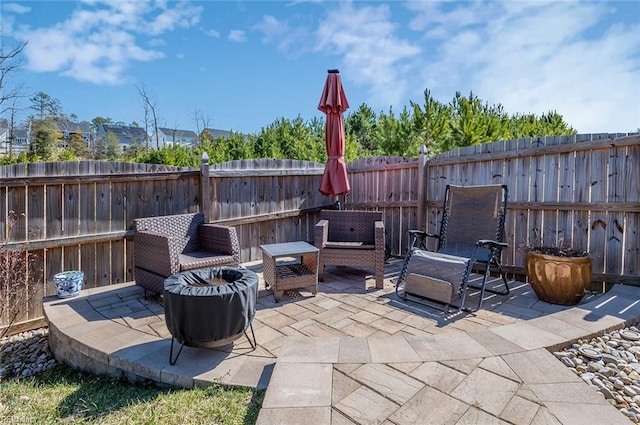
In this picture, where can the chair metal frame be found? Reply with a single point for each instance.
(461, 236)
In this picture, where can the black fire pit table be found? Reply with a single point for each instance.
(210, 307)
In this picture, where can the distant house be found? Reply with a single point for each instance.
(216, 134)
(20, 142)
(126, 135)
(4, 139)
(21, 139)
(173, 136)
(68, 128)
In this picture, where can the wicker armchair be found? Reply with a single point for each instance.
(351, 238)
(171, 244)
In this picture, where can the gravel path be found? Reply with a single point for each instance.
(25, 354)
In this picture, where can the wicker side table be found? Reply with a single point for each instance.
(283, 276)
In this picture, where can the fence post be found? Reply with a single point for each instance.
(205, 186)
(422, 188)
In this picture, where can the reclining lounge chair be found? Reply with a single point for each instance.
(471, 237)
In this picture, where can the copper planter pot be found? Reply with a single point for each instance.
(559, 280)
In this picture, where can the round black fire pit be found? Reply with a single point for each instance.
(210, 307)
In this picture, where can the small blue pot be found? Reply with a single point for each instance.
(69, 283)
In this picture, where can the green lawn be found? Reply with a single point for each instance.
(63, 395)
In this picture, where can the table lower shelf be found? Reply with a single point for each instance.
(293, 276)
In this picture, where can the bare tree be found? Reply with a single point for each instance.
(12, 125)
(202, 123)
(9, 63)
(149, 104)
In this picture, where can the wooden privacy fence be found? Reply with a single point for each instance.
(271, 201)
(266, 200)
(78, 216)
(582, 190)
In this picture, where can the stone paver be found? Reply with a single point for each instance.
(391, 350)
(527, 336)
(580, 414)
(299, 385)
(539, 367)
(342, 386)
(295, 416)
(498, 366)
(486, 390)
(519, 410)
(354, 350)
(429, 405)
(310, 350)
(365, 406)
(392, 384)
(438, 376)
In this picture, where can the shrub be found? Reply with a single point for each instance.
(18, 275)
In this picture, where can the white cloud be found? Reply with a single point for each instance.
(238, 36)
(99, 41)
(15, 8)
(157, 42)
(272, 29)
(212, 33)
(372, 52)
(537, 57)
(292, 41)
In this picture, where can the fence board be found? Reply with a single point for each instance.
(103, 264)
(88, 262)
(53, 265)
(17, 202)
(35, 216)
(598, 219)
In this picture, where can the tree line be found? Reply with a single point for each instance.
(464, 121)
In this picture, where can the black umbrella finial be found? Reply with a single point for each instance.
(333, 71)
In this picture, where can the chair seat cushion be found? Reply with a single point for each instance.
(200, 259)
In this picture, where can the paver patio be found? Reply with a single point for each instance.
(355, 355)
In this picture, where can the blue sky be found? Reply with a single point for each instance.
(244, 64)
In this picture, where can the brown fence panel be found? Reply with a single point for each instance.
(78, 214)
(267, 200)
(388, 184)
(581, 191)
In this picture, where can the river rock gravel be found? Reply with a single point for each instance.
(25, 354)
(610, 364)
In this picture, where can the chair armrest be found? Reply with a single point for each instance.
(156, 252)
(321, 233)
(422, 234)
(487, 243)
(379, 235)
(220, 239)
(418, 238)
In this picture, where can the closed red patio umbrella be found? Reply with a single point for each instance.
(333, 103)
